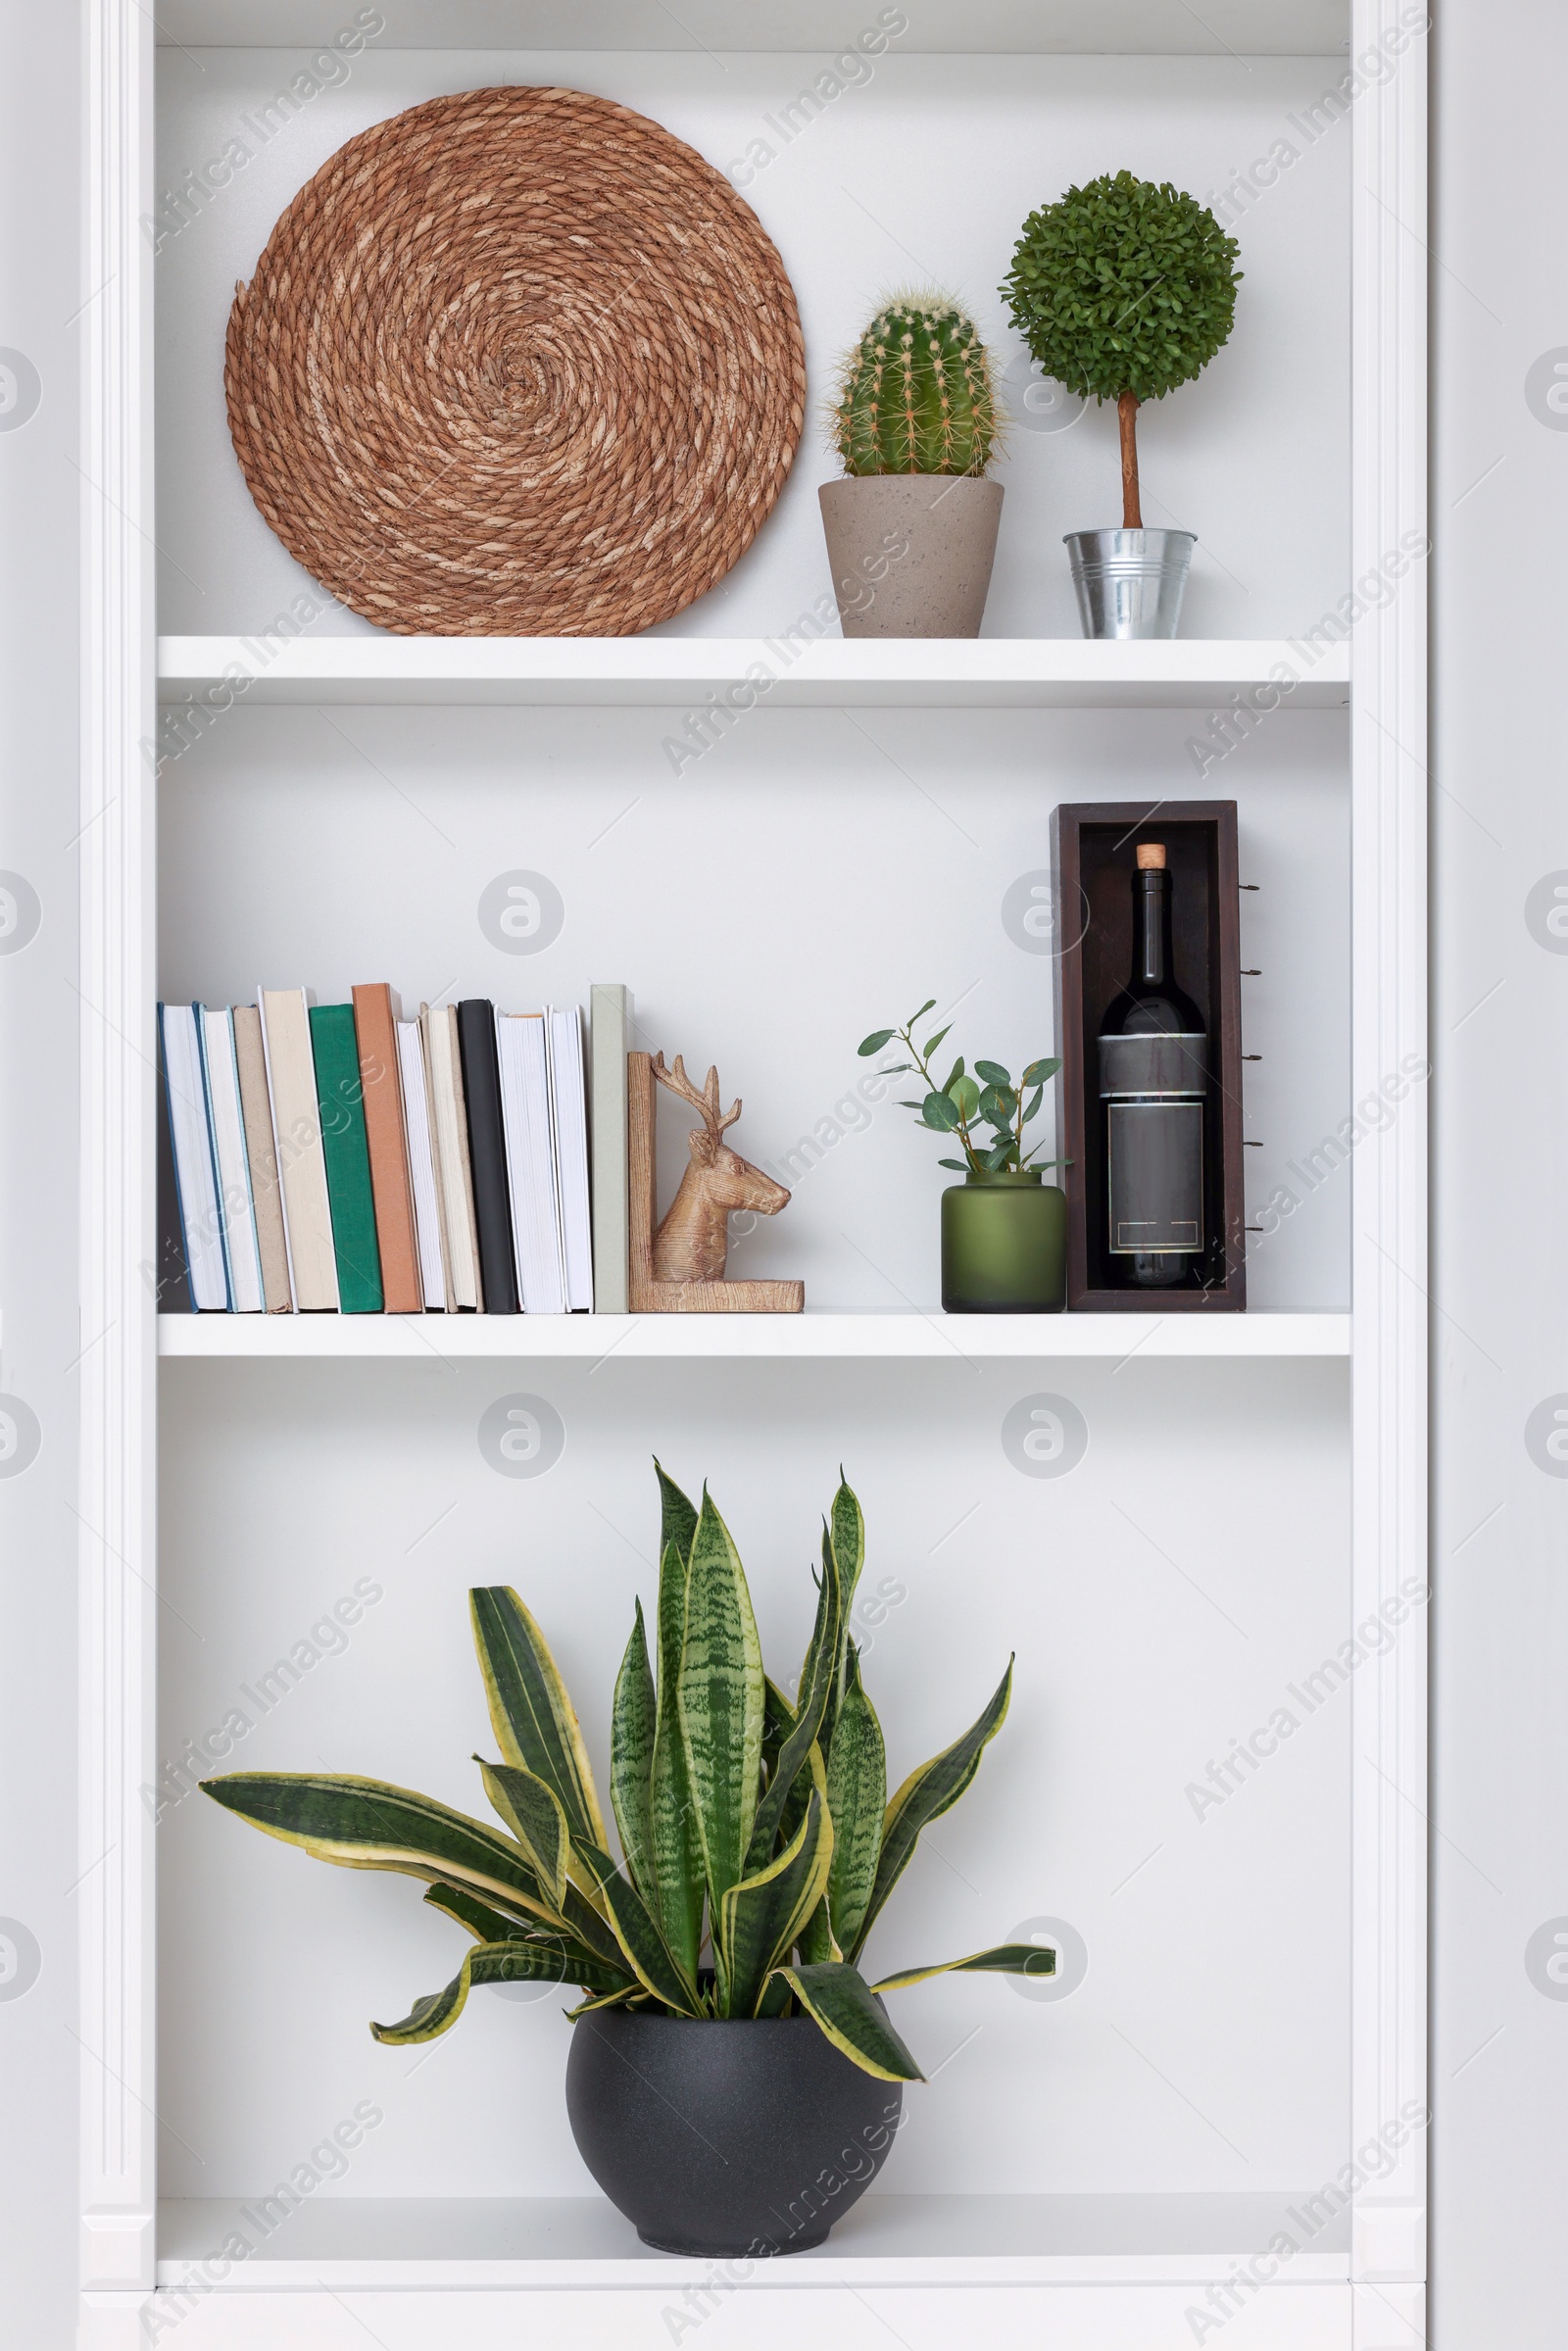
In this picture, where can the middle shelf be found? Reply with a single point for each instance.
(520, 1338)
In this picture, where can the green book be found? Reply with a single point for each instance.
(340, 1100)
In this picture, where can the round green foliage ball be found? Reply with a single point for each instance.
(917, 393)
(1123, 286)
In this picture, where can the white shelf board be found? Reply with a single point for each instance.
(891, 1337)
(980, 672)
(1110, 27)
(358, 2243)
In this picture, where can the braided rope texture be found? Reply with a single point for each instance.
(516, 363)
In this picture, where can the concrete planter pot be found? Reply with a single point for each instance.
(910, 553)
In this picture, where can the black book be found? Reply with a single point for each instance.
(487, 1154)
(170, 1278)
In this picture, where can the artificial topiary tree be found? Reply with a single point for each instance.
(1122, 291)
(917, 394)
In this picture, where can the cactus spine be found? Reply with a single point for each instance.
(918, 393)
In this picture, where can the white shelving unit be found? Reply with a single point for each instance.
(1093, 2170)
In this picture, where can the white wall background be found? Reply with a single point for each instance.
(817, 875)
(283, 1491)
(924, 173)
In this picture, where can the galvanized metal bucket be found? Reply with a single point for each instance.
(1130, 582)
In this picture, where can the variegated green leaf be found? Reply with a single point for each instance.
(844, 1537)
(677, 1853)
(818, 1940)
(925, 1796)
(530, 1712)
(487, 1963)
(1002, 1959)
(856, 1796)
(628, 1995)
(839, 2001)
(791, 1759)
(372, 1824)
(487, 1925)
(764, 1916)
(677, 1520)
(632, 1725)
(638, 1936)
(847, 1526)
(532, 1812)
(719, 1695)
(827, 1638)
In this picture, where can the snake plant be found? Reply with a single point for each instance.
(758, 1838)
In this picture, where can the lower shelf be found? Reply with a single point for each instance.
(581, 2242)
(593, 1337)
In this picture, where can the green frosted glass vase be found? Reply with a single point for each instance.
(1004, 1244)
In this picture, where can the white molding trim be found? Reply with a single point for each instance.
(1389, 1258)
(118, 1367)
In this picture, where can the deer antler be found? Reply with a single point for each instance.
(707, 1101)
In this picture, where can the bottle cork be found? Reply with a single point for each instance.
(1150, 856)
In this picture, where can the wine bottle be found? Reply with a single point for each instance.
(1154, 1078)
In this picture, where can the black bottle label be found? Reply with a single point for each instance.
(1154, 1089)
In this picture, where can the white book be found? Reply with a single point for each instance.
(570, 1127)
(195, 1176)
(242, 1253)
(609, 1038)
(524, 1060)
(449, 1138)
(422, 1167)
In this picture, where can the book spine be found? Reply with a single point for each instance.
(198, 1016)
(341, 1108)
(301, 1158)
(609, 1042)
(387, 1141)
(487, 1153)
(170, 1271)
(261, 1152)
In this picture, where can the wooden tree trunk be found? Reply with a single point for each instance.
(1132, 513)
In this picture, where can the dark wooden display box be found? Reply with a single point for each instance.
(1092, 856)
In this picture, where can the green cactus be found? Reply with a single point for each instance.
(917, 395)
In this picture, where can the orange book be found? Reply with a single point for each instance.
(376, 1031)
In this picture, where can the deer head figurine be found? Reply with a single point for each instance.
(692, 1243)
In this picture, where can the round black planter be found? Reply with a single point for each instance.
(725, 2139)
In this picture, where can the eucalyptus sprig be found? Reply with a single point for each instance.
(962, 1104)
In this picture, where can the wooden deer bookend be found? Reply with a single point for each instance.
(680, 1268)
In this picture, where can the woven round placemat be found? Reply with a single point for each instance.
(516, 363)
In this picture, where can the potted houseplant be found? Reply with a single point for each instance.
(734, 2082)
(1123, 290)
(1004, 1229)
(912, 528)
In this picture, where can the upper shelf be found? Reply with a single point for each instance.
(1105, 27)
(596, 1338)
(765, 672)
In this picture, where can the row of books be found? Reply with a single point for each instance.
(339, 1158)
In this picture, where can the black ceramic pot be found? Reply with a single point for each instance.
(725, 2139)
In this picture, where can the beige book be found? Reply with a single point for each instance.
(449, 1122)
(609, 1043)
(259, 1145)
(296, 1138)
